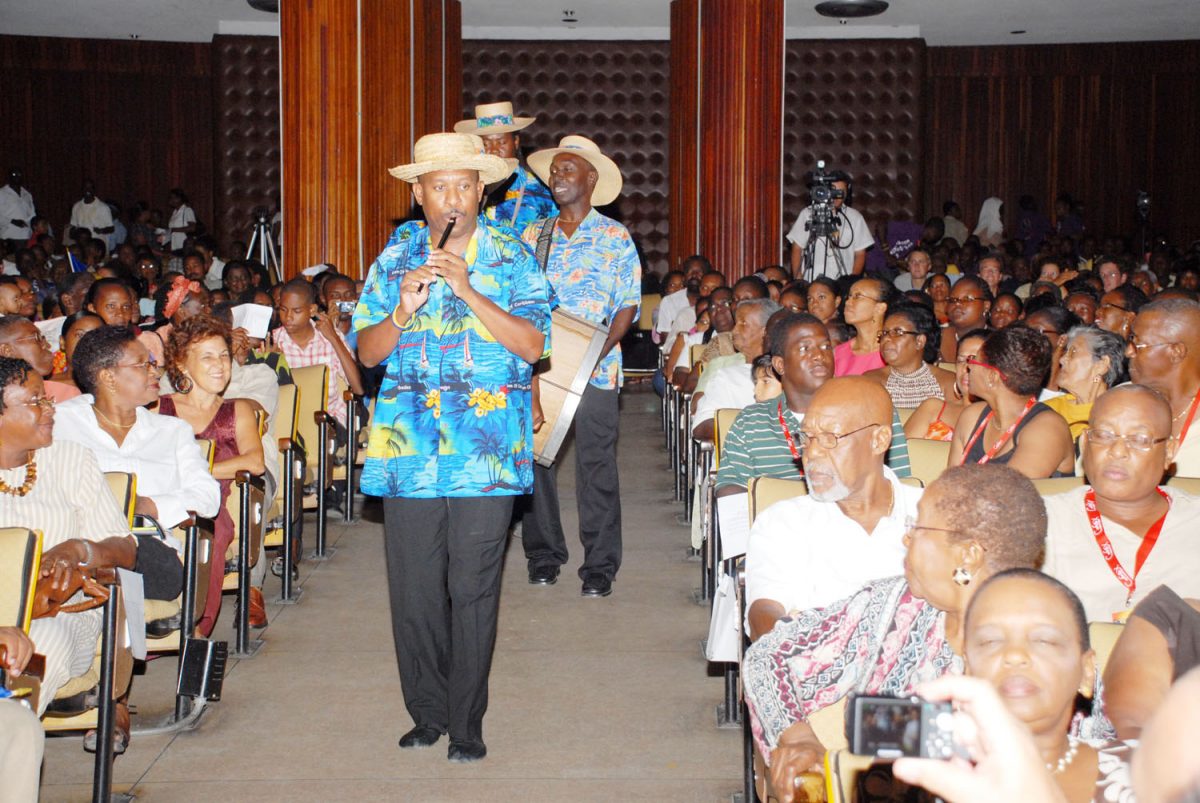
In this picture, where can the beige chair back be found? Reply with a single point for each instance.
(650, 303)
(20, 558)
(1049, 486)
(1189, 485)
(905, 413)
(1103, 636)
(722, 422)
(928, 458)
(124, 490)
(766, 491)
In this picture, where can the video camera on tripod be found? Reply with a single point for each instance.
(823, 194)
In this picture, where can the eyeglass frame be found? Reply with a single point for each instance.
(952, 301)
(148, 365)
(44, 403)
(1108, 444)
(805, 438)
(895, 333)
(981, 364)
(910, 524)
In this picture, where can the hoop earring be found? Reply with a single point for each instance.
(961, 577)
(958, 394)
(184, 385)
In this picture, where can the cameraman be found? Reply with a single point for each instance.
(850, 236)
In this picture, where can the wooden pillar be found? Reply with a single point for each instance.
(727, 132)
(361, 81)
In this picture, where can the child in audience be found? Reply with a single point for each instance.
(766, 383)
(308, 336)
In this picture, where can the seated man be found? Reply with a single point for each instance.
(733, 385)
(810, 551)
(762, 441)
(1164, 353)
(720, 351)
(1116, 541)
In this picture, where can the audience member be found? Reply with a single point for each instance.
(339, 297)
(1164, 353)
(182, 221)
(1092, 361)
(850, 239)
(991, 270)
(1121, 537)
(20, 339)
(17, 297)
(731, 387)
(865, 308)
(1159, 644)
(1006, 309)
(109, 298)
(16, 211)
(938, 286)
(813, 550)
(824, 299)
(934, 419)
(73, 328)
(1117, 309)
(972, 522)
(305, 343)
(1083, 304)
(199, 366)
(952, 223)
(990, 229)
(766, 381)
(918, 263)
(967, 308)
(909, 343)
(93, 214)
(1009, 425)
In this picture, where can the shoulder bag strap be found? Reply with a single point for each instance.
(543, 241)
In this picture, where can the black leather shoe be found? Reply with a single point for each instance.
(597, 585)
(420, 736)
(543, 575)
(464, 752)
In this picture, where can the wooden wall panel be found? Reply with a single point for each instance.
(685, 131)
(134, 116)
(741, 101)
(1097, 121)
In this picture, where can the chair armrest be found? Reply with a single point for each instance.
(285, 444)
(244, 477)
(349, 396)
(322, 416)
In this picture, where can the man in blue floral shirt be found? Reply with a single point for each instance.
(521, 199)
(458, 326)
(595, 273)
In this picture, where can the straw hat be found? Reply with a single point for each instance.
(435, 152)
(493, 118)
(608, 186)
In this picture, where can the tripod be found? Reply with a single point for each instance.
(261, 237)
(808, 263)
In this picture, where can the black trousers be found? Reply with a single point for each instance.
(443, 562)
(597, 494)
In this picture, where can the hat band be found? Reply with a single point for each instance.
(494, 120)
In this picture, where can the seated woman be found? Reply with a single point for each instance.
(909, 343)
(55, 486)
(73, 328)
(176, 301)
(1092, 362)
(1159, 644)
(119, 379)
(865, 309)
(1026, 634)
(938, 286)
(934, 418)
(111, 300)
(967, 308)
(1006, 309)
(972, 522)
(824, 299)
(199, 365)
(1008, 425)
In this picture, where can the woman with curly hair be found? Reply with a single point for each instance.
(199, 365)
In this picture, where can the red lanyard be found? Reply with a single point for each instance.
(1188, 422)
(1003, 438)
(787, 433)
(1106, 547)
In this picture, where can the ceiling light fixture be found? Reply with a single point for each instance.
(269, 6)
(845, 9)
(1015, 33)
(569, 19)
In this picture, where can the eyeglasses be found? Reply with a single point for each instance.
(964, 300)
(980, 364)
(807, 348)
(1114, 306)
(150, 365)
(829, 440)
(44, 403)
(37, 337)
(896, 333)
(1137, 442)
(861, 296)
(1139, 346)
(910, 524)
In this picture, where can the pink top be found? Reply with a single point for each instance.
(847, 363)
(60, 391)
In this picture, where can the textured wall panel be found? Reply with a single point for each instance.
(857, 105)
(616, 93)
(246, 147)
(1097, 121)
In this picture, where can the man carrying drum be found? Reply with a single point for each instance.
(596, 275)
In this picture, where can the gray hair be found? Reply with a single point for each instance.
(763, 308)
(1103, 344)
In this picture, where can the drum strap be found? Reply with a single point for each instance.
(543, 241)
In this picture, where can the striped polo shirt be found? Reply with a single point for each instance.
(757, 447)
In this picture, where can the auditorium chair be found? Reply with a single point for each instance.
(286, 517)
(905, 413)
(316, 429)
(928, 458)
(638, 342)
(1048, 486)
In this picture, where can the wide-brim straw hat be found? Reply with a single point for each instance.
(493, 118)
(434, 152)
(608, 184)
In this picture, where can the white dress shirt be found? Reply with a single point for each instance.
(213, 279)
(669, 307)
(851, 236)
(180, 218)
(807, 554)
(161, 450)
(95, 215)
(14, 206)
(732, 387)
(1073, 556)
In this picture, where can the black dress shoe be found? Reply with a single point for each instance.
(543, 575)
(420, 736)
(597, 585)
(464, 752)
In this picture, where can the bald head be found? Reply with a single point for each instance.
(1174, 318)
(853, 401)
(1124, 399)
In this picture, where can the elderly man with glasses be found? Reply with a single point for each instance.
(812, 550)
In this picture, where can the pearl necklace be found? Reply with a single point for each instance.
(1066, 759)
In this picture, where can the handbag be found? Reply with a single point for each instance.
(48, 601)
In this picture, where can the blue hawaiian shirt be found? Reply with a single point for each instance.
(537, 202)
(453, 415)
(594, 274)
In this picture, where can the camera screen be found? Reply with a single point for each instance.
(889, 728)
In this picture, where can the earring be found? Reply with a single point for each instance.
(961, 577)
(185, 384)
(957, 390)
(1085, 692)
